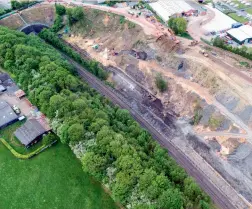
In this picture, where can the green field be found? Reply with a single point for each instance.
(53, 179)
(249, 11)
(237, 18)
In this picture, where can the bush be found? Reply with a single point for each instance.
(160, 83)
(60, 9)
(21, 4)
(197, 117)
(178, 25)
(58, 24)
(74, 14)
(214, 122)
(131, 25)
(49, 138)
(122, 19)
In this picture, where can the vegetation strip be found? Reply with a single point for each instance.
(27, 156)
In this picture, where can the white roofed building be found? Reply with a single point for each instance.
(220, 22)
(167, 8)
(242, 34)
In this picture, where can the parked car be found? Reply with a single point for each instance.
(16, 109)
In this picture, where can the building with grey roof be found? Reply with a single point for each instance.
(30, 132)
(7, 114)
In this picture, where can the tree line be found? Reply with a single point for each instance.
(117, 151)
(242, 51)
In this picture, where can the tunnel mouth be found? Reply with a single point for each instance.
(33, 28)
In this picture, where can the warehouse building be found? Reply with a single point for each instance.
(166, 8)
(241, 35)
(7, 114)
(30, 133)
(219, 23)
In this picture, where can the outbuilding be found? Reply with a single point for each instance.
(30, 133)
(241, 35)
(7, 114)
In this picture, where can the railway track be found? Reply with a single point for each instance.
(219, 197)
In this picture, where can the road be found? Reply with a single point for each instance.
(216, 194)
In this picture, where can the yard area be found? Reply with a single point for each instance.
(237, 18)
(53, 179)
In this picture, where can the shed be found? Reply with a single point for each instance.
(30, 132)
(242, 34)
(20, 94)
(7, 114)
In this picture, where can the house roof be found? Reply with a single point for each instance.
(7, 115)
(29, 131)
(242, 33)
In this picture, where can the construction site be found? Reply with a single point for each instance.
(209, 90)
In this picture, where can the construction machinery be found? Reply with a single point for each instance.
(193, 43)
(203, 52)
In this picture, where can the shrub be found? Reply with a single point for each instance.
(160, 83)
(49, 138)
(178, 25)
(60, 9)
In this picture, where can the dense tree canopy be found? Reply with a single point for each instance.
(114, 148)
(178, 25)
(60, 9)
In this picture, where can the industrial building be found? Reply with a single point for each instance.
(31, 132)
(219, 23)
(241, 35)
(166, 8)
(7, 114)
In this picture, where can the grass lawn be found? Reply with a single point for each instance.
(237, 18)
(53, 179)
(249, 11)
(241, 6)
